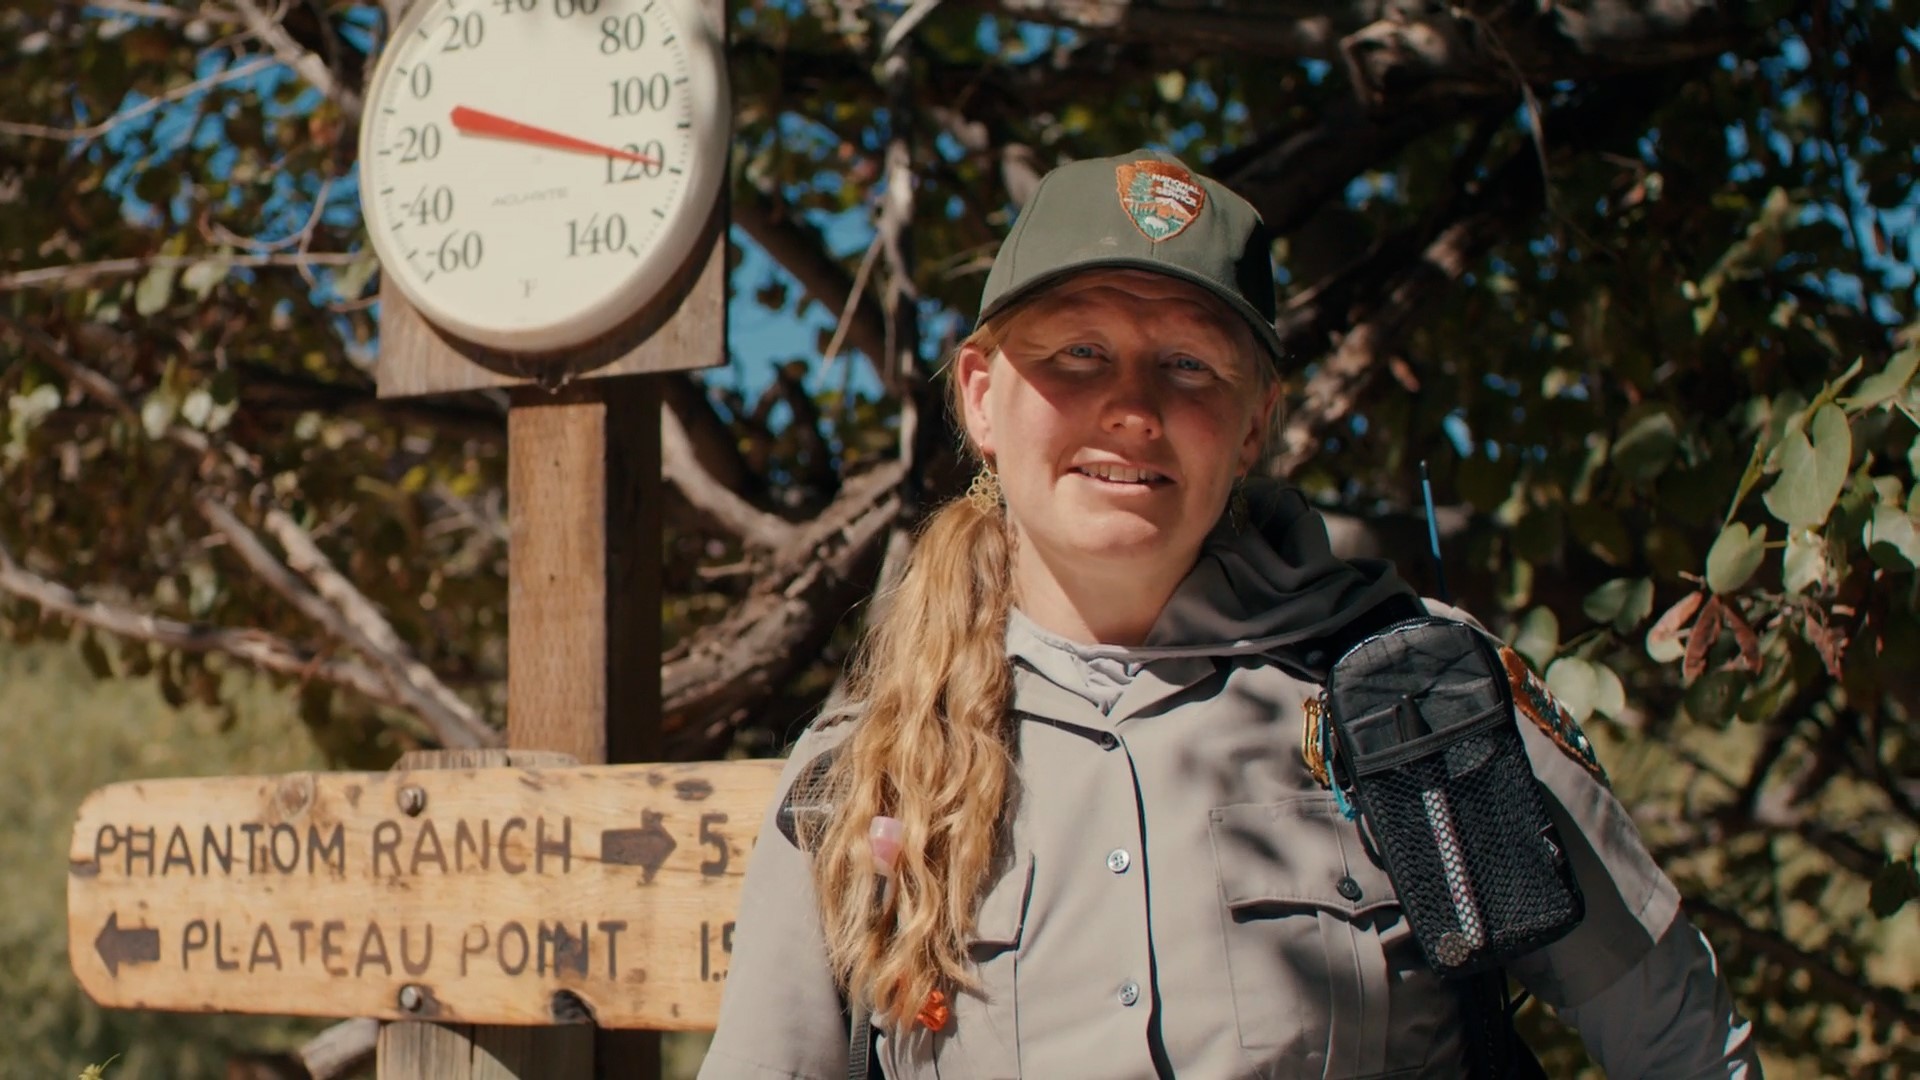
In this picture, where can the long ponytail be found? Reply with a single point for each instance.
(932, 747)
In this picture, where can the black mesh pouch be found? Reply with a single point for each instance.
(1429, 751)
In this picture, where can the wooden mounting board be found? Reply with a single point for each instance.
(513, 896)
(685, 329)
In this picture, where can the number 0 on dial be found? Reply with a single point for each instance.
(533, 172)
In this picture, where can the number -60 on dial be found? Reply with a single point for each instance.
(533, 172)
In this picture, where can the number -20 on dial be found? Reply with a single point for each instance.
(533, 172)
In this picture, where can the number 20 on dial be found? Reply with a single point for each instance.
(533, 172)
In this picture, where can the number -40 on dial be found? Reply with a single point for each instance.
(534, 172)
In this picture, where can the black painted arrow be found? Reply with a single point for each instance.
(140, 945)
(645, 847)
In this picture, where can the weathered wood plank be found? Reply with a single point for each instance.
(417, 358)
(422, 1050)
(583, 646)
(506, 896)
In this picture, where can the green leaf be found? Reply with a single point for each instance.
(1575, 682)
(1647, 446)
(1890, 539)
(1895, 884)
(1713, 697)
(1665, 650)
(157, 413)
(1812, 472)
(352, 279)
(197, 408)
(1623, 602)
(1538, 636)
(1603, 604)
(154, 290)
(1611, 699)
(204, 276)
(1734, 557)
(1886, 384)
(94, 655)
(1830, 393)
(1805, 564)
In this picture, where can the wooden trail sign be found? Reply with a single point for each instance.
(497, 895)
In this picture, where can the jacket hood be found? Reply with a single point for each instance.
(1253, 590)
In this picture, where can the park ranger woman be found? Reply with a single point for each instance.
(1090, 703)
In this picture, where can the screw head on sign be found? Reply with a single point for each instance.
(413, 799)
(410, 998)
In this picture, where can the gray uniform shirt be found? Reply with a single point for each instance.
(1183, 898)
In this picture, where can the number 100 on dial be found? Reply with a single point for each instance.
(533, 172)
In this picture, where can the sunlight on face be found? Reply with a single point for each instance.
(1118, 411)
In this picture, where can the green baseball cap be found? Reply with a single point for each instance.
(1140, 211)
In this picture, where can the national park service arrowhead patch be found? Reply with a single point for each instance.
(1537, 703)
(1161, 199)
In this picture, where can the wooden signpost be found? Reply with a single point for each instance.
(499, 896)
(527, 912)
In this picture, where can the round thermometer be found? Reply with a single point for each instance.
(534, 172)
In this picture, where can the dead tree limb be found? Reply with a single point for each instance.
(1851, 987)
(683, 469)
(709, 687)
(340, 608)
(259, 648)
(799, 248)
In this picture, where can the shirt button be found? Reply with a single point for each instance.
(1349, 888)
(1129, 992)
(1118, 860)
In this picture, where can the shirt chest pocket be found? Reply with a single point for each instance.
(981, 1039)
(1310, 922)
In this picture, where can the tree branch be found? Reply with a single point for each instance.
(341, 1051)
(94, 131)
(349, 616)
(1843, 986)
(708, 688)
(1287, 177)
(1336, 388)
(345, 611)
(682, 468)
(1507, 201)
(74, 275)
(307, 64)
(257, 647)
(799, 248)
(1555, 41)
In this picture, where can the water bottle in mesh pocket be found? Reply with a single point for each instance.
(1428, 748)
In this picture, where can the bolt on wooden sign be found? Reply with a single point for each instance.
(501, 895)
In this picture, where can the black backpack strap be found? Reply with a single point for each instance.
(1495, 1050)
(862, 1062)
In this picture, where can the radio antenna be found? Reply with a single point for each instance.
(1433, 535)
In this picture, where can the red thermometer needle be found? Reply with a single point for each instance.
(476, 122)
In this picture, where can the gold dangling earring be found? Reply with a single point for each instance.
(984, 492)
(1237, 512)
